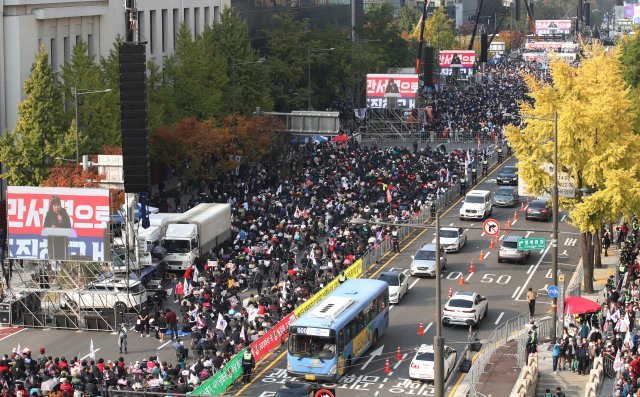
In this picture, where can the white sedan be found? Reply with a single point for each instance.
(452, 239)
(422, 365)
(398, 285)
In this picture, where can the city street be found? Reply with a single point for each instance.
(504, 285)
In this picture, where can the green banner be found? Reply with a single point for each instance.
(221, 380)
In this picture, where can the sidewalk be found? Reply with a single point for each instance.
(501, 373)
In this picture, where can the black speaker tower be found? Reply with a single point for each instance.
(428, 66)
(484, 47)
(517, 9)
(586, 14)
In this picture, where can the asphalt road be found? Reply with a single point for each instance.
(504, 285)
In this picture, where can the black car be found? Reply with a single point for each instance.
(508, 176)
(296, 389)
(539, 210)
(505, 196)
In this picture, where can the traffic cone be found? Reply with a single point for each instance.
(522, 207)
(527, 202)
(461, 280)
(481, 256)
(421, 329)
(471, 268)
(491, 245)
(387, 367)
(515, 216)
(398, 354)
(450, 292)
(508, 223)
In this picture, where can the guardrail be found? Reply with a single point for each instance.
(513, 329)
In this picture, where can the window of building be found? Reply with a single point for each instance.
(186, 19)
(176, 25)
(141, 26)
(163, 32)
(207, 20)
(216, 14)
(67, 50)
(90, 49)
(196, 20)
(54, 55)
(78, 38)
(152, 27)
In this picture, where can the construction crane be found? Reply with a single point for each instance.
(420, 26)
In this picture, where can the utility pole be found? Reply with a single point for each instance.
(438, 341)
(554, 239)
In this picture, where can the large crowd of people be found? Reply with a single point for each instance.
(291, 236)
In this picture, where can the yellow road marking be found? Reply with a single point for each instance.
(268, 367)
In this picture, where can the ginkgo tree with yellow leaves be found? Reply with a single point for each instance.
(596, 144)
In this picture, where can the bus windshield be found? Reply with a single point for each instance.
(307, 346)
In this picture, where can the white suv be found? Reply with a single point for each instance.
(108, 294)
(465, 308)
(478, 204)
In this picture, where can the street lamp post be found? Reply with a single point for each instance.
(77, 92)
(309, 51)
(233, 80)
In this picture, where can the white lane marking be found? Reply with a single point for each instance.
(244, 290)
(94, 350)
(502, 236)
(13, 333)
(400, 361)
(524, 287)
(469, 276)
(499, 318)
(514, 222)
(391, 269)
(451, 224)
(528, 234)
(542, 251)
(487, 255)
(564, 253)
(482, 235)
(428, 326)
(571, 242)
(414, 283)
(391, 307)
(376, 393)
(530, 269)
(515, 293)
(169, 341)
(471, 224)
(563, 218)
(132, 328)
(405, 271)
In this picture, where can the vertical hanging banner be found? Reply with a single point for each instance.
(54, 223)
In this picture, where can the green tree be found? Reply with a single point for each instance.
(388, 48)
(596, 143)
(408, 18)
(247, 73)
(110, 75)
(27, 151)
(439, 31)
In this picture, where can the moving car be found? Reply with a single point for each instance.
(296, 389)
(465, 308)
(539, 210)
(478, 204)
(423, 263)
(398, 285)
(452, 239)
(422, 366)
(509, 250)
(508, 176)
(108, 294)
(506, 196)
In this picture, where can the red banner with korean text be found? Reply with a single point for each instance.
(272, 338)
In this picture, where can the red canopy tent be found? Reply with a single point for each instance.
(580, 305)
(340, 138)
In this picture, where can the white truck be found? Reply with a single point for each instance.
(194, 233)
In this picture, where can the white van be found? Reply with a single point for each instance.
(478, 204)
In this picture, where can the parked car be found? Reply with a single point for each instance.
(398, 285)
(108, 294)
(539, 210)
(509, 250)
(465, 308)
(422, 366)
(452, 239)
(506, 196)
(423, 263)
(508, 176)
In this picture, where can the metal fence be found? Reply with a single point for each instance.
(513, 329)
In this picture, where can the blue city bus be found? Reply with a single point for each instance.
(329, 338)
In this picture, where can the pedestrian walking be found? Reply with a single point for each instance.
(248, 363)
(559, 392)
(172, 323)
(557, 352)
(531, 298)
(547, 393)
(122, 339)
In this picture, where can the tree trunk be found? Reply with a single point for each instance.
(597, 249)
(587, 264)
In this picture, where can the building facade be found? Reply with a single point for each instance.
(26, 25)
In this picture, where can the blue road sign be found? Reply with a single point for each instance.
(553, 291)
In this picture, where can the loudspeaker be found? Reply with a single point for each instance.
(428, 66)
(484, 47)
(517, 9)
(579, 13)
(531, 10)
(133, 110)
(586, 14)
(35, 319)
